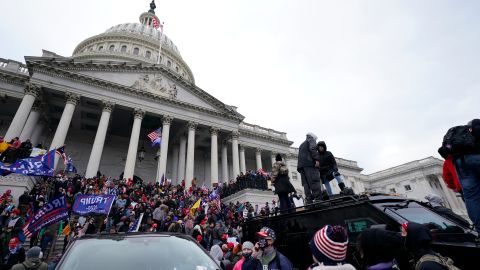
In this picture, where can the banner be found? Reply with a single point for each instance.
(136, 225)
(93, 204)
(35, 166)
(55, 210)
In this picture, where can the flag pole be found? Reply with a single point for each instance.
(160, 45)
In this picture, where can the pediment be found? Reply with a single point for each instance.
(154, 83)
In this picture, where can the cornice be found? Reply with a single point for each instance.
(114, 87)
(13, 78)
(249, 134)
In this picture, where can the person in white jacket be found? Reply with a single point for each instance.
(329, 249)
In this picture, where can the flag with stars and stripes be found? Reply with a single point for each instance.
(155, 136)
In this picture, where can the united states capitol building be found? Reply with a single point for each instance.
(116, 87)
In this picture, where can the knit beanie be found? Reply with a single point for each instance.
(329, 245)
(34, 253)
(248, 245)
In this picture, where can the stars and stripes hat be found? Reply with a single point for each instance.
(329, 245)
(266, 233)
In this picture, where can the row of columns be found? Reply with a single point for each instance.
(25, 124)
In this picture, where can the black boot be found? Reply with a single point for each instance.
(341, 186)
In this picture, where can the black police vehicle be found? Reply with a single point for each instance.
(357, 213)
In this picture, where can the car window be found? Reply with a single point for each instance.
(416, 213)
(138, 253)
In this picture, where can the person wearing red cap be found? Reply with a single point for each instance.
(16, 254)
(268, 255)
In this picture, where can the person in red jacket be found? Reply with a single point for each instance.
(450, 175)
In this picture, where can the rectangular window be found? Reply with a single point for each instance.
(408, 188)
(294, 176)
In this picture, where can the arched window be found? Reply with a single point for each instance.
(111, 48)
(136, 51)
(100, 48)
(169, 64)
(124, 49)
(148, 54)
(176, 68)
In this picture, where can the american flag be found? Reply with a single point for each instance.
(157, 24)
(155, 136)
(61, 151)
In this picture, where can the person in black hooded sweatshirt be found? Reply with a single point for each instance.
(328, 168)
(418, 243)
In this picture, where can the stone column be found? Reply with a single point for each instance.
(138, 115)
(15, 128)
(162, 160)
(225, 162)
(243, 166)
(98, 143)
(235, 162)
(214, 156)
(258, 157)
(272, 157)
(181, 158)
(64, 124)
(31, 123)
(37, 132)
(175, 153)
(190, 154)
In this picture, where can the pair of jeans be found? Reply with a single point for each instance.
(44, 243)
(468, 169)
(284, 201)
(327, 185)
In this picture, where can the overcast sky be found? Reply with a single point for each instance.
(379, 81)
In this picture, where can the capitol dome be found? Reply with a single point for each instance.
(139, 42)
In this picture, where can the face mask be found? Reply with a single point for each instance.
(247, 255)
(13, 250)
(262, 243)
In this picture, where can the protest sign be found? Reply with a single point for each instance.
(93, 204)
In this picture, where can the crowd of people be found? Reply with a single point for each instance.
(216, 226)
(15, 149)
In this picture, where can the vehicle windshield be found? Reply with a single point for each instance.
(138, 253)
(416, 213)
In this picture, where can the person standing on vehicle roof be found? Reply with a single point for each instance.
(468, 169)
(308, 165)
(328, 168)
(268, 255)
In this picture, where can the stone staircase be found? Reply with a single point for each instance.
(57, 248)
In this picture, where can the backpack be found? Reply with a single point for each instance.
(457, 141)
(446, 262)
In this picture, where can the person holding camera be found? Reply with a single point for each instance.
(328, 168)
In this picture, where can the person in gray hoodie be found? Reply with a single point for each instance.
(33, 260)
(308, 166)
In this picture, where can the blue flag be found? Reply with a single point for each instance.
(35, 166)
(93, 204)
(54, 211)
(69, 167)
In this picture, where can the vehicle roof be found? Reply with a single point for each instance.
(133, 235)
